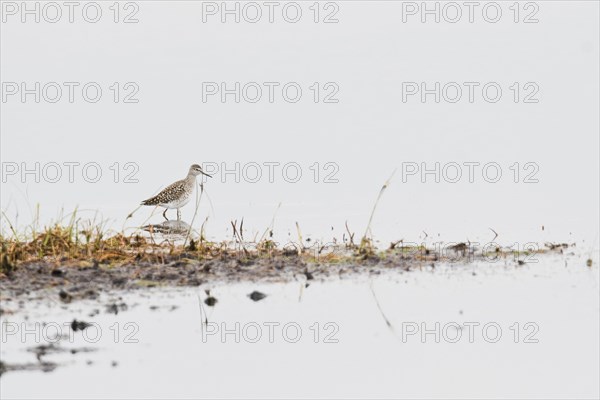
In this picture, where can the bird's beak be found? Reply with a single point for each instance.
(204, 173)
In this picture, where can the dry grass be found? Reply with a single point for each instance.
(58, 244)
(90, 241)
(78, 241)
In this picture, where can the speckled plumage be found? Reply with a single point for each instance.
(173, 196)
(177, 194)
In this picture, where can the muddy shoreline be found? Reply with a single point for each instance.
(87, 279)
(104, 288)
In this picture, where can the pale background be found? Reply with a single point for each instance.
(369, 133)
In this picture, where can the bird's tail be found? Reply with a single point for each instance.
(149, 202)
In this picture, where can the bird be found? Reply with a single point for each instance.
(168, 228)
(177, 194)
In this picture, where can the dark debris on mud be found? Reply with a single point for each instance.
(88, 279)
(44, 366)
(42, 352)
(257, 296)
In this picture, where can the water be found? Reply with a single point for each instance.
(331, 338)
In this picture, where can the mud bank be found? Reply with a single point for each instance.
(86, 279)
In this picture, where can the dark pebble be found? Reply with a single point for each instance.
(79, 325)
(256, 296)
(119, 281)
(114, 308)
(65, 297)
(210, 301)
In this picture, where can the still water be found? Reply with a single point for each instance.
(454, 331)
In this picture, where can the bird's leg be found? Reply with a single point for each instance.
(165, 214)
(178, 215)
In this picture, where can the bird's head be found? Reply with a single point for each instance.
(197, 170)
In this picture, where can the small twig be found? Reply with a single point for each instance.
(202, 230)
(198, 198)
(301, 244)
(350, 235)
(387, 321)
(10, 224)
(270, 227)
(394, 244)
(237, 236)
(210, 203)
(130, 215)
(385, 185)
(203, 316)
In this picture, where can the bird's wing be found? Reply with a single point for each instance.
(165, 195)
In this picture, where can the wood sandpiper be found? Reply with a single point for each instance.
(177, 194)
